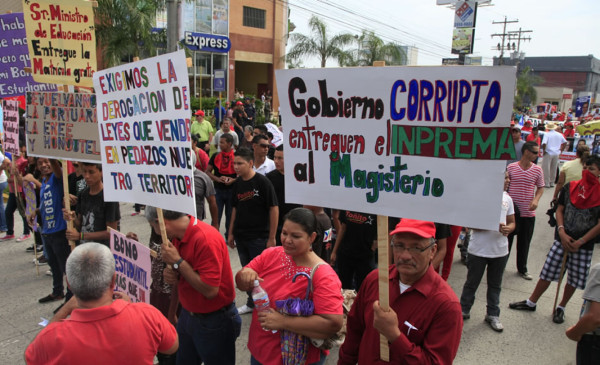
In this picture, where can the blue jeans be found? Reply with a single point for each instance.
(208, 338)
(321, 361)
(495, 269)
(223, 198)
(57, 250)
(2, 214)
(247, 250)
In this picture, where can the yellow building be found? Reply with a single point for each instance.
(258, 32)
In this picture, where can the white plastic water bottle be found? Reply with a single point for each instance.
(261, 299)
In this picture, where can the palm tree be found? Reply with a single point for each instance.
(526, 94)
(318, 43)
(124, 29)
(371, 48)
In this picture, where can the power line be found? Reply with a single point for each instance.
(503, 36)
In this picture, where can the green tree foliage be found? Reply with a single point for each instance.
(318, 43)
(526, 94)
(124, 29)
(371, 48)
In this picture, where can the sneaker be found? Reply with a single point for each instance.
(41, 260)
(244, 309)
(29, 249)
(7, 237)
(466, 315)
(559, 315)
(525, 275)
(522, 305)
(494, 322)
(48, 273)
(51, 298)
(134, 214)
(23, 238)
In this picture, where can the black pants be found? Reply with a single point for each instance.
(524, 233)
(11, 207)
(588, 350)
(352, 271)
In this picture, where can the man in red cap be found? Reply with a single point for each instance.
(424, 322)
(203, 129)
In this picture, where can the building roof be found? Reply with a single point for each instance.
(558, 64)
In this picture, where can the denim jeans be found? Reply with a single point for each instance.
(209, 338)
(495, 269)
(11, 206)
(2, 214)
(57, 250)
(247, 250)
(223, 198)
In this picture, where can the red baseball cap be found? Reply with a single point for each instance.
(420, 228)
(239, 103)
(199, 112)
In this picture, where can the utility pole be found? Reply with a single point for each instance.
(517, 34)
(503, 35)
(172, 24)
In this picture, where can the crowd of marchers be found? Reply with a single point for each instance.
(308, 257)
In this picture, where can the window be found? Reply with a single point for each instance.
(254, 18)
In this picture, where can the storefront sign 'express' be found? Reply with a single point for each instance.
(207, 42)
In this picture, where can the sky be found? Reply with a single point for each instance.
(560, 28)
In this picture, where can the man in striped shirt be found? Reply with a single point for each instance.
(526, 189)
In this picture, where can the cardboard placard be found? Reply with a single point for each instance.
(133, 267)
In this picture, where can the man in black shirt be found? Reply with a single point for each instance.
(93, 215)
(277, 178)
(254, 216)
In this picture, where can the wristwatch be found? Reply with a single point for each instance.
(176, 265)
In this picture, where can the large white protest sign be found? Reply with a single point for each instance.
(427, 143)
(132, 266)
(144, 125)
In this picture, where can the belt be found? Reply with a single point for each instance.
(54, 233)
(218, 311)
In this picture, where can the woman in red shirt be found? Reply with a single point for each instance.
(276, 267)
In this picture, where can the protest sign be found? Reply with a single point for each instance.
(144, 121)
(10, 123)
(277, 135)
(133, 267)
(426, 143)
(14, 80)
(61, 40)
(30, 202)
(62, 125)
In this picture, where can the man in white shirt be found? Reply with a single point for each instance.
(225, 128)
(262, 164)
(553, 144)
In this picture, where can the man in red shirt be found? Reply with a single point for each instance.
(424, 322)
(209, 323)
(103, 327)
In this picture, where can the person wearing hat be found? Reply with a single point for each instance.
(553, 144)
(527, 126)
(203, 129)
(515, 132)
(424, 322)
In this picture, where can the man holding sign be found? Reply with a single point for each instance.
(424, 323)
(209, 324)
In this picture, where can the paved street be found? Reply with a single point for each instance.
(528, 338)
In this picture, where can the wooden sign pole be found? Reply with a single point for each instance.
(383, 249)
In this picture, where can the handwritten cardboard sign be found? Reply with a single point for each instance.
(61, 39)
(144, 122)
(10, 124)
(427, 143)
(14, 80)
(133, 267)
(62, 125)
